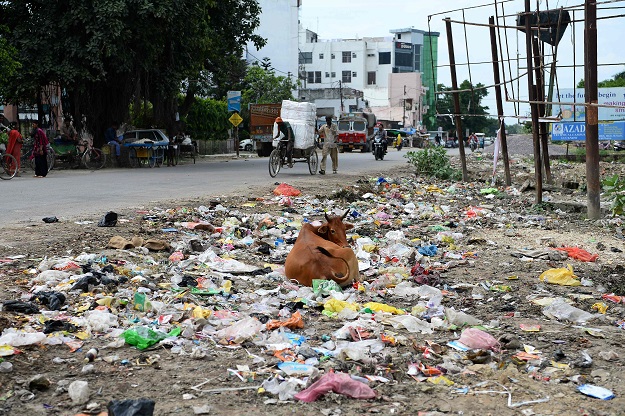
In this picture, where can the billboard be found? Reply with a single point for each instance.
(577, 131)
(607, 96)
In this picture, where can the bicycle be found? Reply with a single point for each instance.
(27, 151)
(278, 158)
(8, 166)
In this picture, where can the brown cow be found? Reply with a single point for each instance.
(322, 252)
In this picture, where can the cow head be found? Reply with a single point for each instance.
(334, 230)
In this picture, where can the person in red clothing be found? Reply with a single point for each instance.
(40, 151)
(14, 147)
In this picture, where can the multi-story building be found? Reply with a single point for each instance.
(375, 67)
(279, 25)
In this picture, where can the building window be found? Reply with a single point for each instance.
(417, 57)
(333, 75)
(314, 77)
(327, 74)
(384, 58)
(371, 78)
(320, 56)
(347, 76)
(371, 55)
(305, 57)
(347, 57)
(399, 36)
(354, 75)
(354, 55)
(403, 59)
(332, 56)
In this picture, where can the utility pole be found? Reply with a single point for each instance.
(538, 174)
(456, 95)
(341, 95)
(403, 120)
(502, 125)
(540, 96)
(592, 112)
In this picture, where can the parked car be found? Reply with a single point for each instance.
(247, 145)
(153, 135)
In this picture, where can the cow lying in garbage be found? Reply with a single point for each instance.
(322, 252)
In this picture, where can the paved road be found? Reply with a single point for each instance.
(83, 194)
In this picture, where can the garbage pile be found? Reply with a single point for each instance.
(445, 299)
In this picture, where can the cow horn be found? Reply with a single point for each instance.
(325, 214)
(345, 215)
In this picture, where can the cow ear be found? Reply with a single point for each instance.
(322, 230)
(348, 226)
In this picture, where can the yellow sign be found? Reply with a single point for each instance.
(235, 119)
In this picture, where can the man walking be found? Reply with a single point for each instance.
(330, 133)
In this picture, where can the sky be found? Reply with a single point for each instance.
(338, 19)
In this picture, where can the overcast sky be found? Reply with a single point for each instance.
(337, 19)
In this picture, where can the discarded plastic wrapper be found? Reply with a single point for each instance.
(478, 339)
(143, 337)
(563, 276)
(579, 253)
(286, 190)
(560, 309)
(596, 391)
(340, 383)
(139, 407)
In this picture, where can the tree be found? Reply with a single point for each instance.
(474, 115)
(109, 53)
(617, 80)
(10, 66)
(262, 86)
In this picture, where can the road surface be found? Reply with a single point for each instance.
(81, 194)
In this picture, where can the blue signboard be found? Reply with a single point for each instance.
(234, 101)
(577, 131)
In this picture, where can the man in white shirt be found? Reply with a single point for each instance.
(330, 134)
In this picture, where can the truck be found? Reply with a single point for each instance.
(262, 117)
(356, 131)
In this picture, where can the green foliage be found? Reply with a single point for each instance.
(474, 115)
(614, 188)
(142, 115)
(434, 162)
(207, 120)
(10, 65)
(4, 138)
(617, 80)
(262, 86)
(106, 54)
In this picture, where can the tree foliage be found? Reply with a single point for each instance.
(262, 86)
(109, 53)
(207, 119)
(474, 115)
(617, 80)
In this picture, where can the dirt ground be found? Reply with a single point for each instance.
(486, 270)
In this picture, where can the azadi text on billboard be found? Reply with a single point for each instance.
(577, 131)
(607, 96)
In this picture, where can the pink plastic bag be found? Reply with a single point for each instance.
(478, 340)
(286, 190)
(340, 383)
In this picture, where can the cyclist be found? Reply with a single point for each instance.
(285, 128)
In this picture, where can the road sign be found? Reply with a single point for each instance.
(234, 100)
(235, 119)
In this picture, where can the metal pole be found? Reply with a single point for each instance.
(530, 90)
(540, 96)
(456, 95)
(592, 113)
(502, 124)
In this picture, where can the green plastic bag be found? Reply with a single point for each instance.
(324, 287)
(143, 337)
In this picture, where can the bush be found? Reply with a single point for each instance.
(434, 162)
(614, 188)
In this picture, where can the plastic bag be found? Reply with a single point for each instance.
(143, 337)
(560, 309)
(286, 190)
(477, 339)
(563, 276)
(109, 220)
(460, 318)
(139, 407)
(340, 383)
(579, 253)
(240, 331)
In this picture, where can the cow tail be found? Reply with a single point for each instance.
(349, 271)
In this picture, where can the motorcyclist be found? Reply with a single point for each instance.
(381, 134)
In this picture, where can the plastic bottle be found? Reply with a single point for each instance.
(91, 355)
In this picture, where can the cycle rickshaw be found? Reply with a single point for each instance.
(278, 158)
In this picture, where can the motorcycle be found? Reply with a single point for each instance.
(399, 143)
(378, 148)
(473, 143)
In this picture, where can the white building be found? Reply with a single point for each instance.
(387, 70)
(279, 25)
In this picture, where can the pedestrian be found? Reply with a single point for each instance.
(14, 148)
(330, 133)
(110, 136)
(40, 150)
(285, 128)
